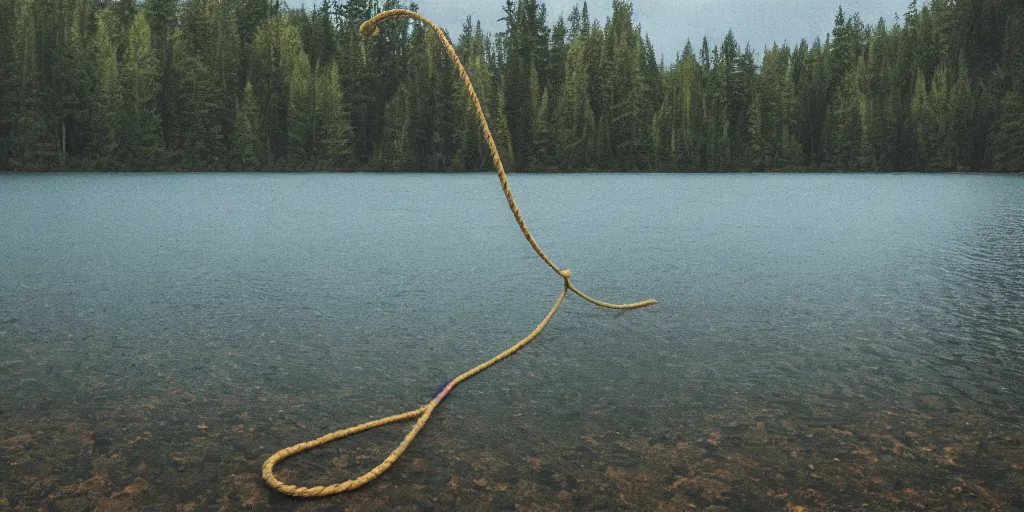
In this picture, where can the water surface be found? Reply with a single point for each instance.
(821, 341)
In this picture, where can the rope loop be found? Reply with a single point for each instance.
(422, 414)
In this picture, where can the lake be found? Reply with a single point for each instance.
(828, 341)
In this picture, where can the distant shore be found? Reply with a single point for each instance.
(592, 171)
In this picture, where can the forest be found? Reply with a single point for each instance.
(256, 85)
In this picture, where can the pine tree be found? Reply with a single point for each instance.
(883, 102)
(470, 152)
(82, 84)
(690, 118)
(332, 149)
(199, 138)
(777, 101)
(756, 151)
(716, 129)
(210, 50)
(1008, 137)
(106, 109)
(925, 124)
(575, 124)
(394, 153)
(163, 21)
(8, 96)
(302, 120)
(76, 67)
(323, 47)
(526, 35)
(556, 61)
(277, 48)
(141, 141)
(423, 68)
(370, 70)
(500, 130)
(245, 143)
(447, 114)
(625, 125)
(225, 63)
(842, 131)
(33, 140)
(663, 136)
(543, 147)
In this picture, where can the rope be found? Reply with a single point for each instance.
(422, 414)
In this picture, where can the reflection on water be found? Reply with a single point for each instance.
(821, 341)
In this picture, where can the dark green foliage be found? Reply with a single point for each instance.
(8, 95)
(107, 103)
(141, 134)
(574, 120)
(163, 21)
(245, 142)
(526, 40)
(270, 74)
(332, 139)
(1008, 137)
(199, 140)
(249, 84)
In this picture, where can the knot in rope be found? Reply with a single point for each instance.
(422, 414)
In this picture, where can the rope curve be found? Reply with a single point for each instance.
(422, 414)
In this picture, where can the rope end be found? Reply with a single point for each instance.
(368, 28)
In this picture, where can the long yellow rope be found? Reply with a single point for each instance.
(423, 413)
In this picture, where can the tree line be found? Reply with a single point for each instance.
(255, 85)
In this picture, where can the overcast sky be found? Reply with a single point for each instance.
(671, 22)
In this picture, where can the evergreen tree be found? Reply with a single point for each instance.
(8, 92)
(1008, 137)
(556, 61)
(199, 141)
(470, 153)
(423, 68)
(776, 97)
(394, 153)
(500, 130)
(209, 48)
(842, 130)
(543, 147)
(625, 127)
(106, 108)
(323, 47)
(302, 119)
(575, 125)
(756, 152)
(370, 69)
(75, 67)
(32, 144)
(447, 113)
(213, 84)
(277, 48)
(332, 148)
(526, 36)
(141, 136)
(245, 142)
(923, 112)
(163, 21)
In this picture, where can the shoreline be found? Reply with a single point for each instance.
(365, 171)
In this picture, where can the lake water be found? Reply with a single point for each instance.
(821, 341)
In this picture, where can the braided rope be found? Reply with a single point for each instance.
(422, 414)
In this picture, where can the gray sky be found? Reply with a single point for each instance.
(671, 22)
